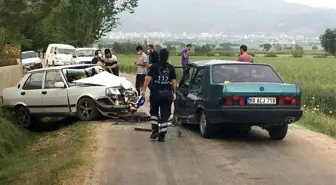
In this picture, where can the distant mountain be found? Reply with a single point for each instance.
(243, 16)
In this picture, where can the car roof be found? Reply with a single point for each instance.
(61, 67)
(85, 48)
(207, 63)
(61, 45)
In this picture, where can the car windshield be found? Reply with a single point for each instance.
(244, 73)
(86, 53)
(76, 73)
(66, 51)
(31, 54)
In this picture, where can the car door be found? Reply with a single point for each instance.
(54, 99)
(194, 96)
(31, 93)
(182, 92)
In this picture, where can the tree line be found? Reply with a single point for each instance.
(34, 24)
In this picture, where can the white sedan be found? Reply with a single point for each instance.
(85, 90)
(30, 60)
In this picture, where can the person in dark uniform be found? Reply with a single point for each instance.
(163, 88)
(153, 57)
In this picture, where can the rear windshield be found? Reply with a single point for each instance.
(244, 73)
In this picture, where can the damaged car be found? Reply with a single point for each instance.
(86, 91)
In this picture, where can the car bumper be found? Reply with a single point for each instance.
(105, 107)
(260, 117)
(34, 66)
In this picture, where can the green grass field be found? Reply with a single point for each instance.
(315, 76)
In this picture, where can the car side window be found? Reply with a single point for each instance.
(34, 81)
(51, 78)
(198, 79)
(187, 77)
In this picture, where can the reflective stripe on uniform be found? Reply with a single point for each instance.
(153, 120)
(163, 127)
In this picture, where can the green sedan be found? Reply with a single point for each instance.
(218, 93)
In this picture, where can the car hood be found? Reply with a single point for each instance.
(108, 80)
(30, 60)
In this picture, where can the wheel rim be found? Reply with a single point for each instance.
(203, 123)
(23, 117)
(85, 109)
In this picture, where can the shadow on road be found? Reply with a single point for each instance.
(256, 136)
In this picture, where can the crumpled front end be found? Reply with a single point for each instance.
(117, 100)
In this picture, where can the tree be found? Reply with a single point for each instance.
(328, 41)
(297, 52)
(267, 47)
(314, 48)
(278, 47)
(19, 15)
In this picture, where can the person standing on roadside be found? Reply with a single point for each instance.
(163, 89)
(141, 69)
(185, 57)
(153, 56)
(244, 56)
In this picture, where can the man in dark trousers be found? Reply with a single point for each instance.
(153, 57)
(163, 89)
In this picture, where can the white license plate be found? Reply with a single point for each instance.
(262, 100)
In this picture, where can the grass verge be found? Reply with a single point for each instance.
(43, 156)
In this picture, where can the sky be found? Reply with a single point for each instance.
(316, 3)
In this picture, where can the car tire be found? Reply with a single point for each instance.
(24, 117)
(46, 64)
(278, 132)
(53, 63)
(206, 128)
(86, 109)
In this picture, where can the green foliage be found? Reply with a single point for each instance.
(267, 47)
(8, 62)
(270, 55)
(328, 41)
(314, 47)
(297, 52)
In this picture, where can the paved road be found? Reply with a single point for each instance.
(128, 157)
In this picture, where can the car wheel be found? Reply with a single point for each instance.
(46, 63)
(53, 63)
(278, 132)
(206, 128)
(24, 117)
(87, 110)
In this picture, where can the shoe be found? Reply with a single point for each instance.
(154, 135)
(161, 139)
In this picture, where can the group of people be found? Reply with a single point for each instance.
(107, 60)
(154, 72)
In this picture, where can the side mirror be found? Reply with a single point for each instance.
(55, 52)
(60, 85)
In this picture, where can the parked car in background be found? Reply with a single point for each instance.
(30, 60)
(83, 55)
(85, 90)
(59, 54)
(219, 93)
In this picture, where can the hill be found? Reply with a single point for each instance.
(244, 16)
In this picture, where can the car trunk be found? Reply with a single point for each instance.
(260, 94)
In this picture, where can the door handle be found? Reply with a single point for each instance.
(44, 92)
(23, 93)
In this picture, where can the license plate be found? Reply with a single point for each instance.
(262, 100)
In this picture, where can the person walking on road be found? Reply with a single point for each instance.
(185, 57)
(141, 69)
(244, 56)
(163, 89)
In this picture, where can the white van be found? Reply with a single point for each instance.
(59, 54)
(83, 55)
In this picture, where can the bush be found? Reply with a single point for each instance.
(271, 55)
(297, 53)
(252, 54)
(320, 56)
(8, 62)
(210, 54)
